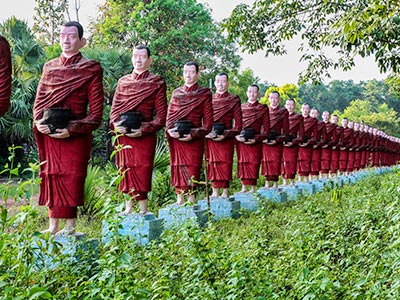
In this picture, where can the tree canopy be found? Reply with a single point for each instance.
(356, 27)
(176, 31)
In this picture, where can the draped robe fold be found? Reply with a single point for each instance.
(305, 153)
(317, 149)
(255, 115)
(194, 104)
(326, 152)
(144, 93)
(289, 155)
(334, 167)
(74, 83)
(272, 154)
(344, 151)
(227, 110)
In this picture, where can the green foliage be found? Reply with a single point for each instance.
(241, 81)
(337, 245)
(49, 16)
(287, 91)
(360, 27)
(336, 95)
(381, 116)
(174, 38)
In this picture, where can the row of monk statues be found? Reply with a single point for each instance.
(269, 140)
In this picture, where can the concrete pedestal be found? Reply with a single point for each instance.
(319, 185)
(352, 179)
(272, 194)
(176, 215)
(292, 192)
(337, 182)
(247, 201)
(345, 179)
(141, 229)
(222, 207)
(50, 252)
(307, 188)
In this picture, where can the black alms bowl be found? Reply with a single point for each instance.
(57, 118)
(131, 120)
(218, 128)
(248, 133)
(183, 127)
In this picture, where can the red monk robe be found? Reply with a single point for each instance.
(317, 149)
(289, 156)
(363, 149)
(305, 151)
(74, 83)
(5, 75)
(376, 150)
(272, 154)
(344, 148)
(255, 115)
(227, 111)
(195, 104)
(326, 152)
(352, 153)
(356, 148)
(334, 167)
(144, 93)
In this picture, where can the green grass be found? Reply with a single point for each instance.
(327, 246)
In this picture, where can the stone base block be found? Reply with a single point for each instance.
(319, 185)
(274, 195)
(337, 182)
(346, 179)
(352, 178)
(247, 201)
(222, 207)
(292, 192)
(306, 187)
(141, 229)
(52, 251)
(176, 215)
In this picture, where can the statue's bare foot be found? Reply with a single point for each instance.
(67, 231)
(52, 232)
(143, 213)
(124, 213)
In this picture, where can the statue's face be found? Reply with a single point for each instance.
(252, 94)
(221, 83)
(274, 99)
(140, 60)
(290, 106)
(305, 109)
(314, 113)
(190, 74)
(69, 40)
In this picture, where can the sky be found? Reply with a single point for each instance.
(278, 69)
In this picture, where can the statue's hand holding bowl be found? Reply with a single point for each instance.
(173, 133)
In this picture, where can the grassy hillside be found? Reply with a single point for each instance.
(339, 244)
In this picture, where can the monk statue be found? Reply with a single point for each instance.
(249, 142)
(68, 107)
(138, 111)
(317, 148)
(291, 145)
(273, 146)
(306, 147)
(189, 120)
(5, 75)
(220, 141)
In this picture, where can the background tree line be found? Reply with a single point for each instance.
(175, 38)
